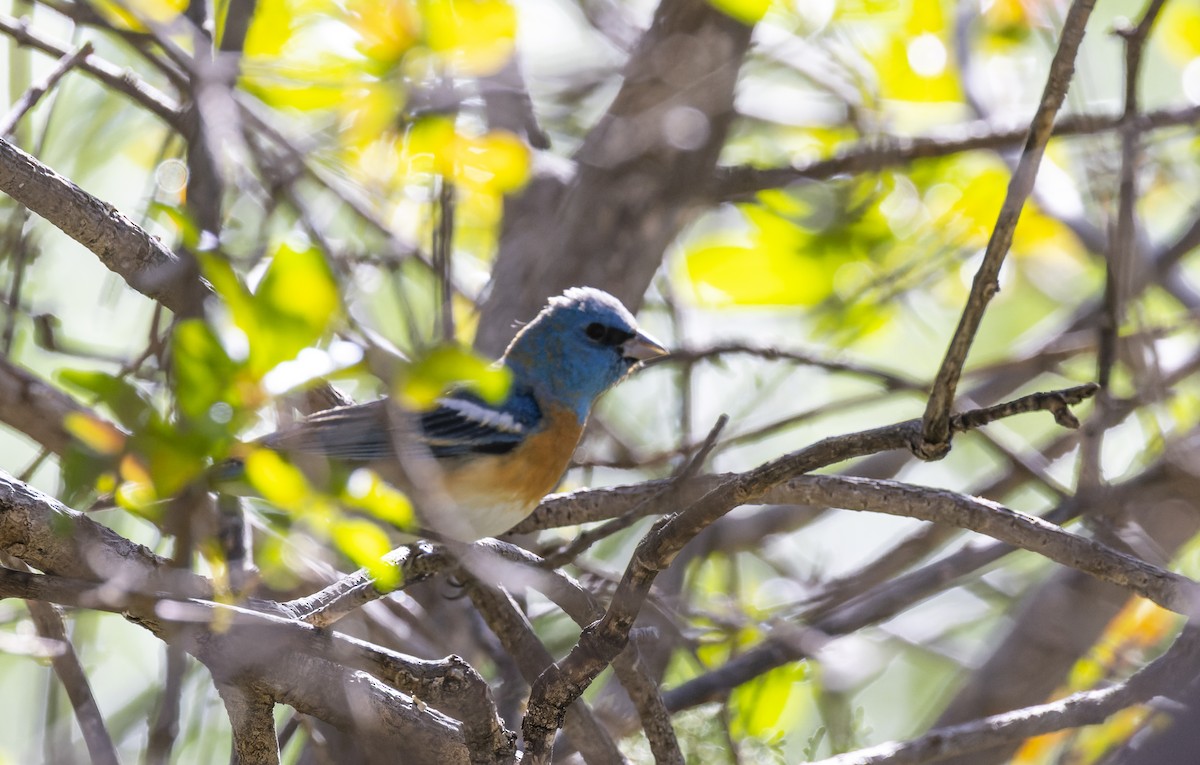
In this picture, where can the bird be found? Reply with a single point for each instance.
(495, 461)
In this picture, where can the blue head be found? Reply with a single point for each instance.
(579, 346)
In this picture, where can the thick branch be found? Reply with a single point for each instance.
(36, 409)
(638, 174)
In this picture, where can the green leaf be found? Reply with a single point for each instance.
(229, 287)
(128, 404)
(300, 286)
(446, 366)
(760, 705)
(204, 373)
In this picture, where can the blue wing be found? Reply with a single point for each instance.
(460, 424)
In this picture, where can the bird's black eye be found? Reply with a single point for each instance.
(613, 336)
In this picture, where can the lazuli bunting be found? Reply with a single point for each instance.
(496, 461)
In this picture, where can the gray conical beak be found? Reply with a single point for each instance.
(642, 347)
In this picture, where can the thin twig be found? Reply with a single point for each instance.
(1170, 671)
(936, 429)
(30, 98)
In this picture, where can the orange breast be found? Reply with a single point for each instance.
(495, 493)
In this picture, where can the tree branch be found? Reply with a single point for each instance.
(144, 262)
(563, 682)
(1166, 674)
(935, 433)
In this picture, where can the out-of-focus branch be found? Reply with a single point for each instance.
(35, 408)
(119, 80)
(639, 173)
(49, 623)
(30, 98)
(742, 182)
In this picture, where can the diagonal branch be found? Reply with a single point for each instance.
(1168, 673)
(143, 261)
(935, 434)
(564, 681)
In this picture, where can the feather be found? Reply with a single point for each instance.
(459, 424)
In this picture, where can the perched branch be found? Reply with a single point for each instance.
(95, 568)
(590, 505)
(563, 682)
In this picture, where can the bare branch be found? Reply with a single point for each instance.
(120, 80)
(741, 182)
(935, 435)
(1169, 672)
(35, 408)
(563, 682)
(30, 98)
(49, 623)
(123, 246)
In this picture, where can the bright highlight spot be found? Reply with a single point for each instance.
(1191, 81)
(685, 128)
(310, 364)
(927, 55)
(171, 176)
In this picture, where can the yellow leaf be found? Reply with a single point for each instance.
(748, 12)
(388, 27)
(137, 498)
(475, 37)
(741, 275)
(366, 543)
(131, 14)
(1180, 30)
(367, 491)
(278, 481)
(99, 436)
(270, 29)
(498, 161)
(132, 469)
